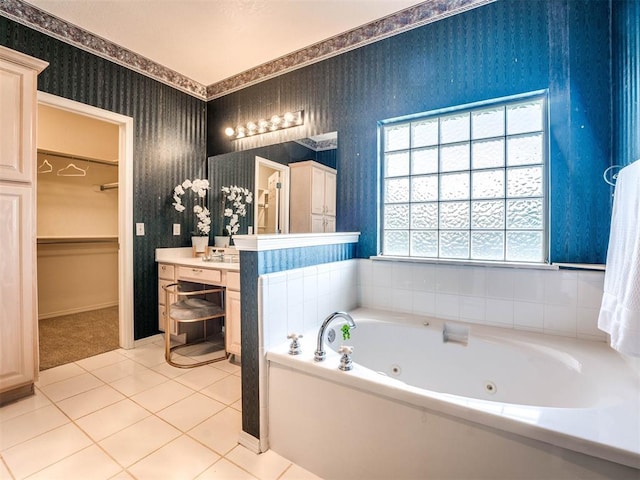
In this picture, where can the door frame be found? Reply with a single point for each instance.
(284, 198)
(125, 204)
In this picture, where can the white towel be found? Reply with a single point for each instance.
(620, 309)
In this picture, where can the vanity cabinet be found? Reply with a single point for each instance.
(312, 198)
(18, 295)
(205, 273)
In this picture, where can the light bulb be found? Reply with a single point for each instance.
(229, 131)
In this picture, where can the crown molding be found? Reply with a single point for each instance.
(413, 17)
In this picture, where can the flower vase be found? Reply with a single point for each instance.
(200, 244)
(221, 241)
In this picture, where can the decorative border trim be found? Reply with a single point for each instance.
(427, 12)
(261, 243)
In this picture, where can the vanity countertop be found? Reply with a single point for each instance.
(183, 256)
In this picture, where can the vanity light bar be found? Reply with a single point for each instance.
(276, 122)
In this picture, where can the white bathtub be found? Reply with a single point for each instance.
(506, 405)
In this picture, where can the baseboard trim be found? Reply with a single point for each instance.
(249, 441)
(71, 311)
(16, 394)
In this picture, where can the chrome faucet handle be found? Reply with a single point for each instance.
(294, 348)
(346, 363)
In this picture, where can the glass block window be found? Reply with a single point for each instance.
(468, 184)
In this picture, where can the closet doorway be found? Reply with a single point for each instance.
(84, 210)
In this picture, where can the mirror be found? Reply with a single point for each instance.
(252, 169)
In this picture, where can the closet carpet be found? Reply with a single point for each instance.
(69, 338)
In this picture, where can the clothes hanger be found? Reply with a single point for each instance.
(71, 171)
(46, 167)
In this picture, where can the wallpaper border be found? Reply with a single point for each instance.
(412, 17)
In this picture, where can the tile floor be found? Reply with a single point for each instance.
(128, 414)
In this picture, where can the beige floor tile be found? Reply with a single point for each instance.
(237, 405)
(4, 471)
(57, 374)
(139, 440)
(266, 466)
(191, 411)
(90, 401)
(101, 360)
(90, 463)
(29, 425)
(112, 419)
(201, 377)
(138, 382)
(71, 386)
(124, 475)
(148, 355)
(225, 470)
(116, 371)
(169, 371)
(228, 390)
(24, 405)
(226, 366)
(220, 432)
(181, 458)
(161, 396)
(294, 472)
(44, 450)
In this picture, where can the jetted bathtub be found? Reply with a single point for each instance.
(429, 398)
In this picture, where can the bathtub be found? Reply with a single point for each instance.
(429, 398)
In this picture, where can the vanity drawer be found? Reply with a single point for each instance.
(161, 292)
(200, 275)
(233, 281)
(166, 271)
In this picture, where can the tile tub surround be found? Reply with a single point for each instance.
(554, 302)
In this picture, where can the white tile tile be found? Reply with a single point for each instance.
(295, 472)
(310, 311)
(139, 440)
(310, 285)
(161, 396)
(71, 386)
(447, 279)
(587, 322)
(381, 273)
(499, 283)
(112, 419)
(225, 470)
(138, 382)
(424, 277)
(116, 371)
(266, 466)
(528, 285)
(90, 462)
(528, 316)
(472, 308)
(590, 288)
(561, 288)
(402, 275)
(227, 390)
(90, 401)
(57, 374)
(472, 281)
(295, 318)
(33, 455)
(402, 300)
(220, 432)
(181, 458)
(24, 405)
(102, 360)
(189, 412)
(201, 377)
(365, 272)
(447, 306)
(324, 282)
(382, 297)
(29, 425)
(559, 319)
(424, 303)
(499, 311)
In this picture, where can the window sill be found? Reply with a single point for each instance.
(466, 263)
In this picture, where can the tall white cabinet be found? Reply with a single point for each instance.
(18, 296)
(312, 198)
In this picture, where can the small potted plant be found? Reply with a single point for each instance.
(234, 205)
(200, 238)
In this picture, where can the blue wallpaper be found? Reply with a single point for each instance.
(626, 81)
(504, 48)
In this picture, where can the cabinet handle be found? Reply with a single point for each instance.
(196, 270)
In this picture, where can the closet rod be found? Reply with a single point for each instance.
(78, 157)
(108, 186)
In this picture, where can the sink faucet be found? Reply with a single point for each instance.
(320, 353)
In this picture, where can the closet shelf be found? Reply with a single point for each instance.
(77, 239)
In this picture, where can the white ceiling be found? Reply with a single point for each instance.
(211, 40)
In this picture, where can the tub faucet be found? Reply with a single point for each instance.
(320, 353)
